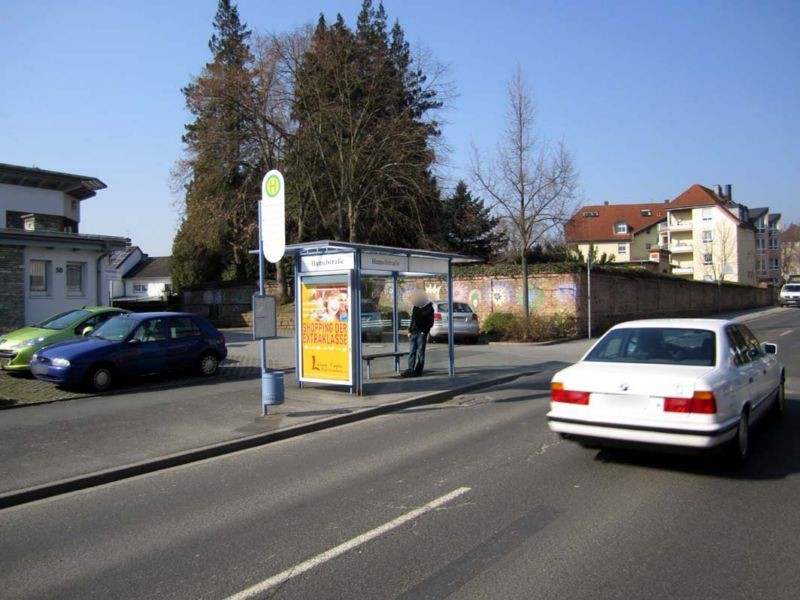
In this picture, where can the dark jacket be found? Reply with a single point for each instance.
(421, 319)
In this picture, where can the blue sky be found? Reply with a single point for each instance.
(649, 96)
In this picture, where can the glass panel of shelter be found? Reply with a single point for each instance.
(377, 318)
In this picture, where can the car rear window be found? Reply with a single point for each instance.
(458, 307)
(668, 346)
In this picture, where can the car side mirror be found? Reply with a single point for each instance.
(87, 330)
(770, 348)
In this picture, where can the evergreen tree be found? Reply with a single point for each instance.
(222, 161)
(361, 154)
(469, 227)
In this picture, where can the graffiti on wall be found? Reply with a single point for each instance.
(546, 294)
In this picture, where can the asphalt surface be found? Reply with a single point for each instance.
(473, 498)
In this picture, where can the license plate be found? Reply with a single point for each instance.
(39, 369)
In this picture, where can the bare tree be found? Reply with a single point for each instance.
(718, 253)
(530, 183)
(790, 251)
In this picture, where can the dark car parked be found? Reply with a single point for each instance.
(133, 344)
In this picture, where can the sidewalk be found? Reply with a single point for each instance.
(64, 446)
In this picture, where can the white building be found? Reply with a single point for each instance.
(46, 265)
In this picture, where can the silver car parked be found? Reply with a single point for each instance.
(465, 322)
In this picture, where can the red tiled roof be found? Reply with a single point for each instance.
(697, 195)
(597, 222)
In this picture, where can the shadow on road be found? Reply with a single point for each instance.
(774, 453)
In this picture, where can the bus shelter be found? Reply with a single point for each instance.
(337, 288)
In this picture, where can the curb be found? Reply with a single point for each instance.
(82, 482)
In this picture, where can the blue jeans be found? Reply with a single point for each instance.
(416, 352)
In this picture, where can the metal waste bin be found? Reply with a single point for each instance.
(271, 387)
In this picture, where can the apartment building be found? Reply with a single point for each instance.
(710, 237)
(767, 226)
(624, 232)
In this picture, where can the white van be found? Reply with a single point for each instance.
(790, 295)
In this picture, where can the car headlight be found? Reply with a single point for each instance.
(60, 362)
(31, 342)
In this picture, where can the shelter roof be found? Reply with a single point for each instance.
(325, 246)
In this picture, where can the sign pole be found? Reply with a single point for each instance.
(262, 342)
(271, 246)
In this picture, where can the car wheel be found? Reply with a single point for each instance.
(780, 401)
(740, 449)
(100, 378)
(208, 364)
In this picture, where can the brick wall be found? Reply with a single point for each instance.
(12, 288)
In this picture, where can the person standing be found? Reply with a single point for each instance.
(418, 329)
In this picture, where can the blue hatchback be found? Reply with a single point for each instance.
(133, 344)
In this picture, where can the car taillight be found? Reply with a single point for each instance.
(559, 394)
(700, 402)
(437, 316)
(474, 317)
(221, 338)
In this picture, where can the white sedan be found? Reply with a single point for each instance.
(695, 383)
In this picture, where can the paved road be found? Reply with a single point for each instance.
(470, 499)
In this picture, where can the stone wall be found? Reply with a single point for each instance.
(616, 297)
(12, 288)
(226, 307)
(622, 297)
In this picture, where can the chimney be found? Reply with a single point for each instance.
(606, 202)
(718, 190)
(728, 192)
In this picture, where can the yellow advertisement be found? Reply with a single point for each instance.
(325, 341)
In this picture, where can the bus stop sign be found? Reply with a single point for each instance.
(272, 228)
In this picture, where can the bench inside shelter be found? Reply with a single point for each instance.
(396, 355)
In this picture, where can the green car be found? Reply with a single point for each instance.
(17, 347)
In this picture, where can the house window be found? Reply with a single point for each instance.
(75, 277)
(646, 212)
(707, 214)
(773, 264)
(39, 277)
(708, 236)
(773, 244)
(762, 265)
(762, 244)
(622, 249)
(139, 288)
(707, 259)
(621, 227)
(761, 226)
(648, 245)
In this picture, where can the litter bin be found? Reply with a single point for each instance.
(271, 387)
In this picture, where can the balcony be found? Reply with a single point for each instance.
(676, 225)
(681, 247)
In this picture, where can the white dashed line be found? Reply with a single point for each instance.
(319, 559)
(787, 332)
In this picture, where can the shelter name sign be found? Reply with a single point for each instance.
(327, 262)
(383, 262)
(421, 264)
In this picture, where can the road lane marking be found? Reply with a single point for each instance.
(787, 332)
(324, 557)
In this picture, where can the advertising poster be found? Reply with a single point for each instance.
(325, 330)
